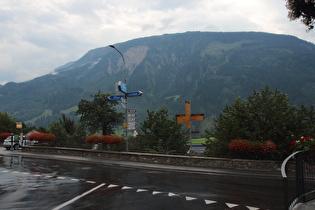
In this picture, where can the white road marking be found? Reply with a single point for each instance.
(231, 205)
(127, 188)
(156, 192)
(112, 185)
(172, 194)
(61, 177)
(142, 190)
(91, 182)
(210, 202)
(77, 197)
(190, 198)
(252, 208)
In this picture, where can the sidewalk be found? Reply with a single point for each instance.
(152, 166)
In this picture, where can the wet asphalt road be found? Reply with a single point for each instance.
(37, 183)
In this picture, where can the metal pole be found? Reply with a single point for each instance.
(125, 78)
(125, 96)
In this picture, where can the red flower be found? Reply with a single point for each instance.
(113, 139)
(241, 145)
(104, 139)
(5, 135)
(41, 137)
(95, 138)
(304, 143)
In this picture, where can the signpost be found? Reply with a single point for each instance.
(122, 87)
(116, 97)
(20, 126)
(188, 117)
(133, 94)
(130, 122)
(131, 119)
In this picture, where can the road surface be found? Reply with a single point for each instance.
(38, 183)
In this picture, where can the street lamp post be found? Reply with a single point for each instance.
(125, 78)
(125, 97)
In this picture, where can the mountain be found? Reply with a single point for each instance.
(210, 69)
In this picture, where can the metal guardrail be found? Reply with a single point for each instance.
(298, 174)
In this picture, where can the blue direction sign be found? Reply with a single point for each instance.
(122, 87)
(133, 94)
(117, 97)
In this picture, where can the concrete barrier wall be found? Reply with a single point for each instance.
(195, 161)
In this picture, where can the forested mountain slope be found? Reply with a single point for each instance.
(210, 69)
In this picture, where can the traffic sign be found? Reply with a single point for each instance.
(131, 115)
(133, 94)
(131, 111)
(19, 125)
(131, 125)
(131, 119)
(122, 87)
(116, 97)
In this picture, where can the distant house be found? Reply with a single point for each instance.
(31, 132)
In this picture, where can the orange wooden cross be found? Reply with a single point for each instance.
(187, 117)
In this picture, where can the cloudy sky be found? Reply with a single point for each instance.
(38, 36)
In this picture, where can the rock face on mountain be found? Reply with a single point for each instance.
(210, 69)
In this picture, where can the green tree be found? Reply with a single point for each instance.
(305, 121)
(68, 132)
(302, 9)
(264, 116)
(67, 123)
(160, 134)
(99, 114)
(7, 124)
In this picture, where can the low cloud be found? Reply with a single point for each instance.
(40, 35)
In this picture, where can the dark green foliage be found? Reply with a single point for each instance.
(7, 124)
(264, 116)
(305, 121)
(68, 133)
(67, 123)
(215, 147)
(160, 134)
(302, 9)
(99, 114)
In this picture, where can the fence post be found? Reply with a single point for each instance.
(285, 193)
(300, 176)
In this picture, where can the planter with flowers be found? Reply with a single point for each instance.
(41, 137)
(105, 140)
(5, 135)
(304, 143)
(252, 149)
